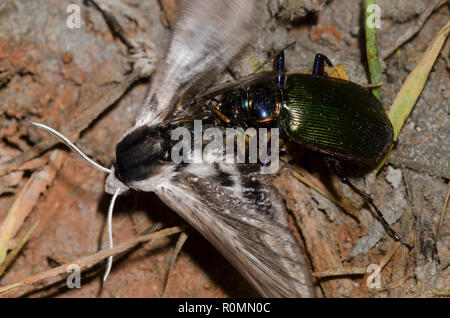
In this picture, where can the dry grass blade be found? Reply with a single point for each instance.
(444, 208)
(413, 86)
(9, 287)
(376, 73)
(27, 200)
(90, 260)
(12, 255)
(10, 222)
(438, 293)
(415, 82)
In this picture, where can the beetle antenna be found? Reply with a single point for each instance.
(336, 168)
(70, 145)
(109, 233)
(272, 56)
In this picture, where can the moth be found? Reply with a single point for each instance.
(233, 205)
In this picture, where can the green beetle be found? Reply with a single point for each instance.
(338, 118)
(335, 117)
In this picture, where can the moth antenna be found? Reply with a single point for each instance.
(98, 166)
(109, 233)
(70, 145)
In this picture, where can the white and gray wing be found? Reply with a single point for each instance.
(243, 216)
(208, 34)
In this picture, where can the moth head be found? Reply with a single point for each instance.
(142, 158)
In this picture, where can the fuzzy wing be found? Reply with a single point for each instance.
(243, 216)
(242, 82)
(208, 34)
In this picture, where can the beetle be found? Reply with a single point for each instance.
(337, 118)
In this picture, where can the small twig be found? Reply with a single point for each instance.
(344, 271)
(394, 284)
(389, 255)
(181, 240)
(411, 31)
(90, 260)
(115, 26)
(357, 270)
(441, 219)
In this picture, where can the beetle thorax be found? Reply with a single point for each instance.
(259, 103)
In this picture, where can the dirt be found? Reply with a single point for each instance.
(51, 73)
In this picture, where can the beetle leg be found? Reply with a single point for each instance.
(226, 119)
(274, 57)
(221, 115)
(319, 64)
(278, 66)
(218, 113)
(278, 62)
(334, 165)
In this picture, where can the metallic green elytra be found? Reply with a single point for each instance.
(336, 117)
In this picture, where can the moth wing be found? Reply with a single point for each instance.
(208, 34)
(243, 216)
(242, 82)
